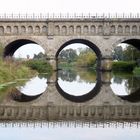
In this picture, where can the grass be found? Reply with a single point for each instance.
(123, 66)
(136, 71)
(10, 71)
(122, 74)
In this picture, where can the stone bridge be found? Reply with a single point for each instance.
(102, 34)
(53, 33)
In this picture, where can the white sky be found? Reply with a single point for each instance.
(69, 6)
(29, 49)
(76, 46)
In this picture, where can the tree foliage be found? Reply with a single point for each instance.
(86, 58)
(129, 53)
(68, 55)
(118, 53)
(40, 56)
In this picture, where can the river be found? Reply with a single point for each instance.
(72, 104)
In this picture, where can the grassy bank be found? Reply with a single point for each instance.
(123, 66)
(10, 71)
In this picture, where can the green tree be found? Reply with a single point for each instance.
(86, 58)
(118, 53)
(40, 56)
(68, 55)
(131, 53)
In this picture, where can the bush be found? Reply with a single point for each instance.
(42, 66)
(10, 71)
(86, 59)
(22, 71)
(123, 66)
(136, 70)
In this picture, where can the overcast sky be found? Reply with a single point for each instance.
(69, 6)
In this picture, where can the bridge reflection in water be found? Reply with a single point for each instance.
(98, 108)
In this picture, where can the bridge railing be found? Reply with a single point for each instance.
(69, 124)
(70, 16)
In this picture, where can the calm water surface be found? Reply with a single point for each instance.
(75, 83)
(63, 133)
(34, 86)
(81, 82)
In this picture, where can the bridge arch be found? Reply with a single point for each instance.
(135, 41)
(85, 42)
(12, 45)
(133, 97)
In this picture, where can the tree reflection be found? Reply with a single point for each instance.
(131, 82)
(87, 76)
(82, 75)
(117, 80)
(67, 75)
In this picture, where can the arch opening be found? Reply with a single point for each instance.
(26, 53)
(126, 70)
(22, 48)
(75, 44)
(77, 62)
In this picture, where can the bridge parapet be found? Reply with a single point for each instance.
(67, 113)
(70, 24)
(71, 124)
(95, 112)
(69, 16)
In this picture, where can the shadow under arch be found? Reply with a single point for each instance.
(85, 42)
(82, 98)
(133, 97)
(10, 49)
(18, 96)
(134, 42)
